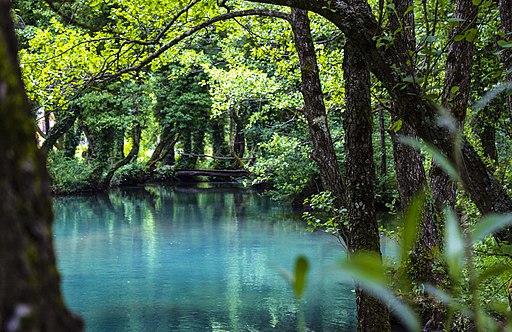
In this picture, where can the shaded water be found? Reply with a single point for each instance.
(184, 259)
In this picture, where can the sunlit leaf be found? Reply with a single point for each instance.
(396, 125)
(459, 37)
(490, 224)
(454, 89)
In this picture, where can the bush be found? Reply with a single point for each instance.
(286, 166)
(131, 174)
(68, 175)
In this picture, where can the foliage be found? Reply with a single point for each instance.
(134, 173)
(324, 215)
(286, 166)
(68, 175)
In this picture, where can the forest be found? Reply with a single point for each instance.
(345, 109)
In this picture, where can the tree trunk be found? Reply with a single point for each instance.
(58, 130)
(219, 146)
(410, 171)
(382, 140)
(484, 125)
(314, 108)
(455, 96)
(165, 147)
(71, 141)
(198, 144)
(30, 297)
(360, 177)
(136, 135)
(505, 7)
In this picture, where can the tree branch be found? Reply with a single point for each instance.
(191, 31)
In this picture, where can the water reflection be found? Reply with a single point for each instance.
(188, 259)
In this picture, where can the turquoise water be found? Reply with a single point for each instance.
(187, 259)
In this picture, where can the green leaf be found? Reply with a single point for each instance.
(396, 125)
(454, 89)
(455, 20)
(504, 44)
(409, 9)
(438, 157)
(490, 224)
(454, 244)
(367, 271)
(412, 79)
(365, 265)
(471, 35)
(494, 271)
(411, 224)
(459, 37)
(477, 2)
(300, 276)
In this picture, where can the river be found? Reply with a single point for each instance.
(158, 258)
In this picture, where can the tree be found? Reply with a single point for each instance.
(356, 20)
(360, 177)
(30, 297)
(314, 108)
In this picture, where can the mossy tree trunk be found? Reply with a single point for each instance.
(30, 296)
(412, 179)
(372, 315)
(455, 96)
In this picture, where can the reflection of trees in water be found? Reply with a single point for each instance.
(166, 231)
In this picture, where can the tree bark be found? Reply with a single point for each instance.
(314, 108)
(455, 96)
(382, 140)
(360, 177)
(505, 7)
(30, 297)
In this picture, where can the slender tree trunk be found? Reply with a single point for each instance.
(219, 145)
(186, 139)
(412, 180)
(132, 155)
(198, 144)
(314, 109)
(505, 7)
(382, 140)
(71, 141)
(165, 147)
(58, 130)
(360, 174)
(30, 297)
